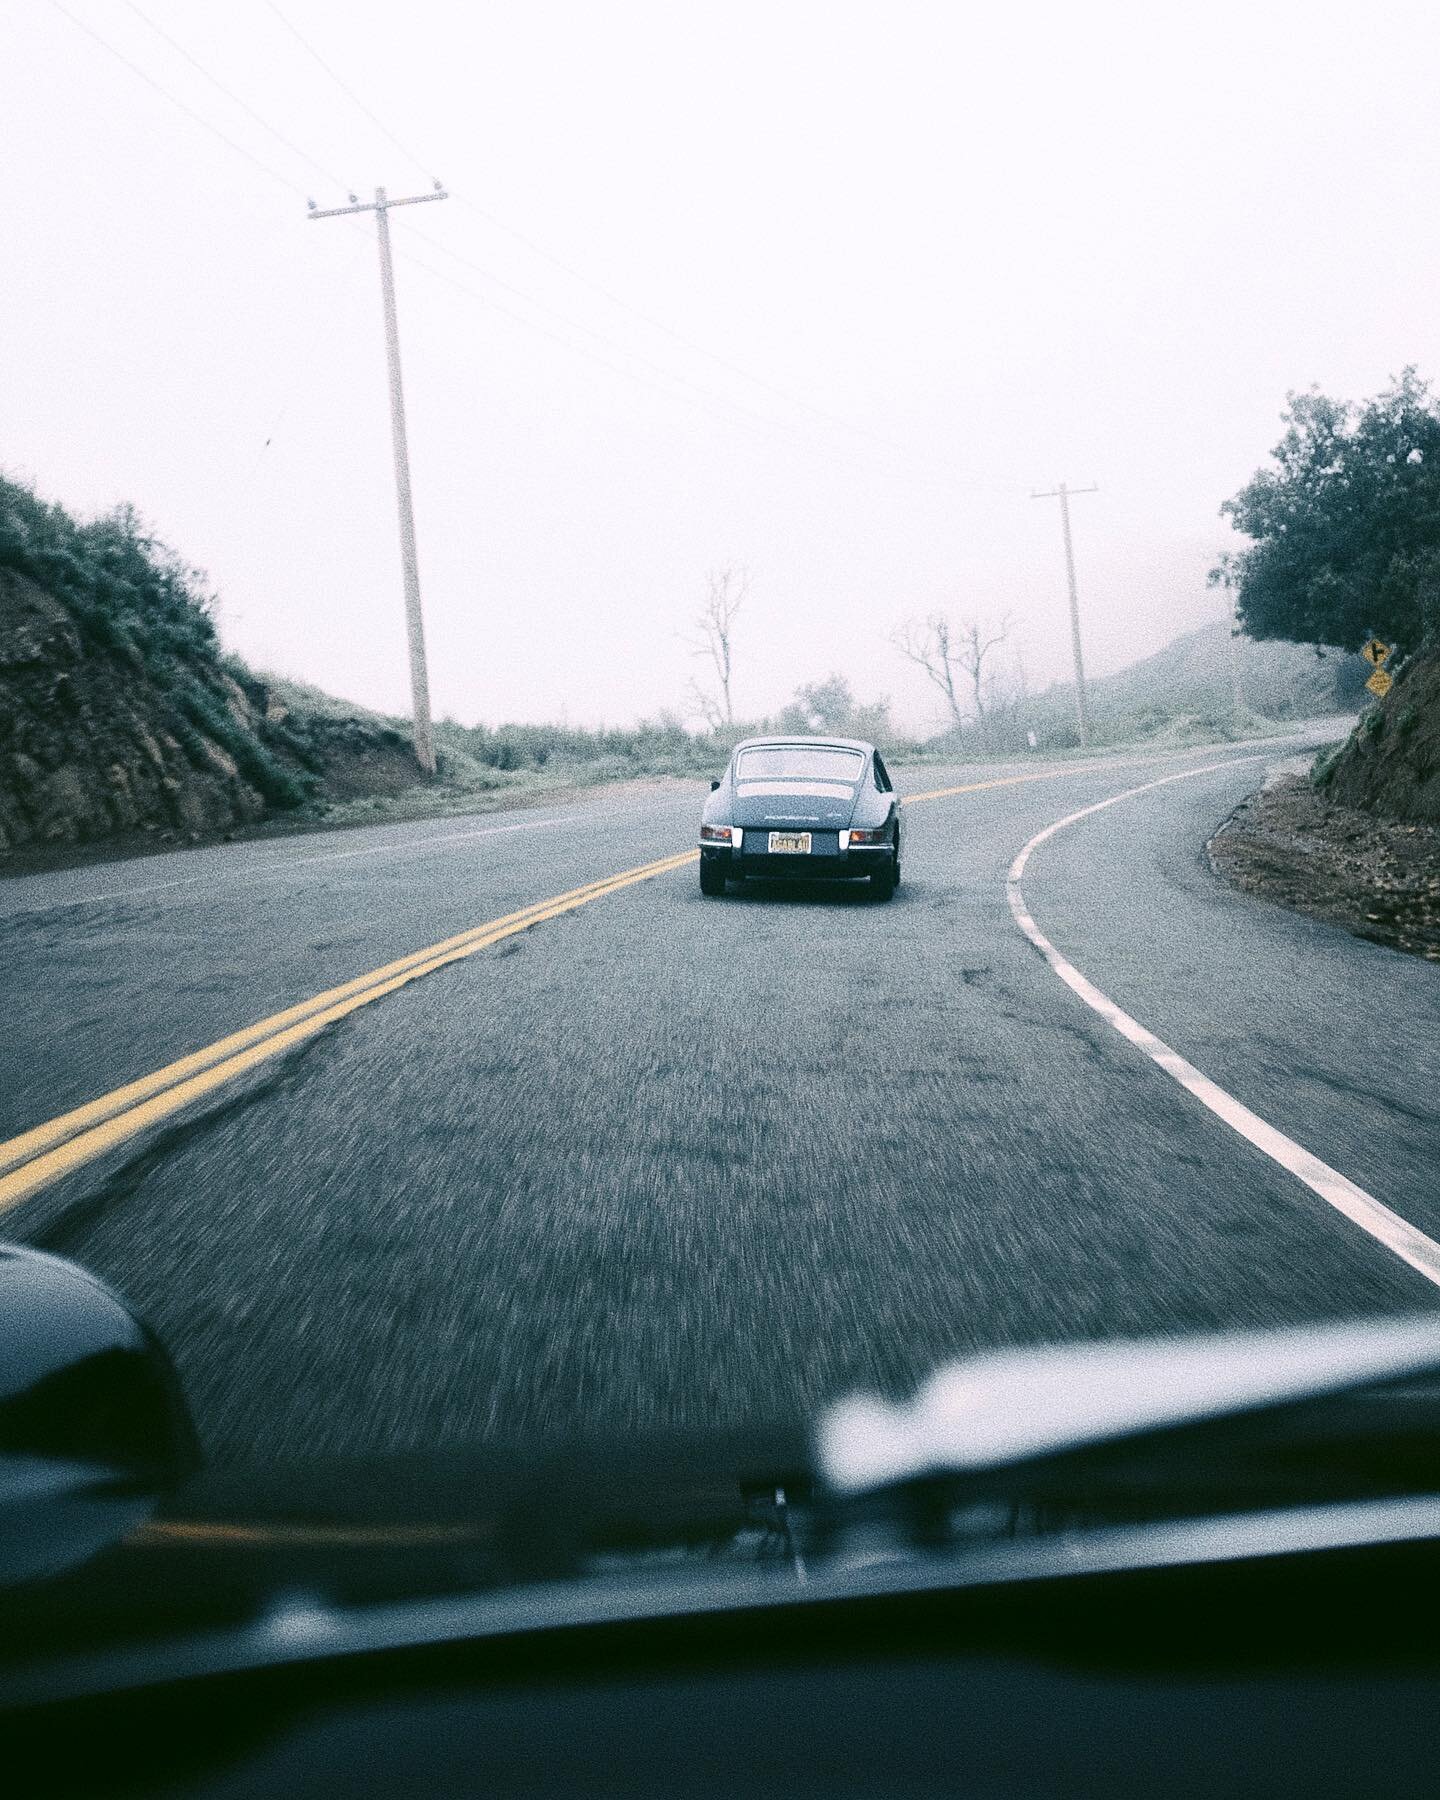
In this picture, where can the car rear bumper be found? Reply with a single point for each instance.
(832, 864)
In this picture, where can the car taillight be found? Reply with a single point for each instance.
(715, 834)
(875, 835)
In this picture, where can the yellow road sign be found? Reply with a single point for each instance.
(1380, 683)
(1375, 652)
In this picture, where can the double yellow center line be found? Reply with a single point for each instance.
(36, 1158)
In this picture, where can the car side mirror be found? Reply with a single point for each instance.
(90, 1400)
(713, 786)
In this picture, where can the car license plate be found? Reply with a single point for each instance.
(789, 843)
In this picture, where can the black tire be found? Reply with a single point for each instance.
(712, 879)
(885, 880)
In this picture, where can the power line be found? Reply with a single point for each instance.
(349, 92)
(520, 293)
(714, 356)
(589, 331)
(199, 119)
(174, 100)
(233, 97)
(701, 397)
(833, 419)
(707, 399)
(913, 463)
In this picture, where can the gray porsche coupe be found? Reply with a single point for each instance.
(800, 808)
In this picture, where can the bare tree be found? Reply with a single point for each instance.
(977, 640)
(703, 702)
(713, 639)
(927, 644)
(955, 657)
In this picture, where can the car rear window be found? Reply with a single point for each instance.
(798, 762)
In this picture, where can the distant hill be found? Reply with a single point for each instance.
(1193, 672)
(1188, 684)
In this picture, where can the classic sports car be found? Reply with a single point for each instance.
(801, 807)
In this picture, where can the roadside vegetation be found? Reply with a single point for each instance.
(134, 607)
(122, 719)
(1344, 530)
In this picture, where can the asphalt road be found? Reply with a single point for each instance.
(667, 1160)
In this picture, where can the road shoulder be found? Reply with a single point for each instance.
(53, 858)
(1376, 877)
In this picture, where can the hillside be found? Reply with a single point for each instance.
(1189, 683)
(122, 724)
(119, 716)
(1192, 673)
(121, 721)
(1357, 843)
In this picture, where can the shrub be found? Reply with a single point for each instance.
(270, 778)
(131, 594)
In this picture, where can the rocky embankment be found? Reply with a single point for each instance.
(1391, 763)
(121, 722)
(1356, 841)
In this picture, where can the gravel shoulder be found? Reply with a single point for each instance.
(1376, 877)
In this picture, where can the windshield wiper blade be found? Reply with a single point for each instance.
(1012, 1407)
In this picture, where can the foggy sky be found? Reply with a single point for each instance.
(959, 253)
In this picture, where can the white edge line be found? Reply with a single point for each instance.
(268, 871)
(277, 869)
(1371, 1215)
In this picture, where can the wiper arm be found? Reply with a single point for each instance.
(1025, 1407)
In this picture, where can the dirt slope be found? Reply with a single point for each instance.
(1357, 843)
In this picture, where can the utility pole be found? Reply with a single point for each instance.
(414, 622)
(1225, 575)
(1062, 494)
(1235, 680)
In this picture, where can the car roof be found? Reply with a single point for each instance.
(809, 742)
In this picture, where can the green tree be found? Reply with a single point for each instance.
(1345, 527)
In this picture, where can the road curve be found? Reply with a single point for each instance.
(663, 1160)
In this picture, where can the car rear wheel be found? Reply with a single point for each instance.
(712, 879)
(884, 881)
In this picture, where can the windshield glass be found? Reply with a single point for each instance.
(811, 764)
(871, 798)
